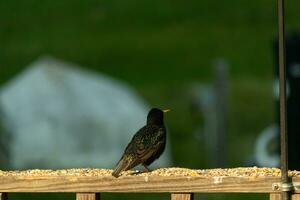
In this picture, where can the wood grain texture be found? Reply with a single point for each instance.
(87, 196)
(3, 196)
(182, 196)
(172, 184)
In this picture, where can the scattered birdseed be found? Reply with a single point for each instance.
(174, 171)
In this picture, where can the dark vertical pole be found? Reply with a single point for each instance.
(282, 91)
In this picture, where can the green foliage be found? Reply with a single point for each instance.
(129, 38)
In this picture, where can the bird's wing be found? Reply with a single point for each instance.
(147, 141)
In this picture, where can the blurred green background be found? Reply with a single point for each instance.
(161, 48)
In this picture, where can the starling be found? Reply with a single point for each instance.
(146, 145)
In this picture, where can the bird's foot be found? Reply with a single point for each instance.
(147, 169)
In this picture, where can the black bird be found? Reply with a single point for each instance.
(146, 145)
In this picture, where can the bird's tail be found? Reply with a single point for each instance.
(121, 166)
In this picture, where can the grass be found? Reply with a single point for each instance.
(128, 39)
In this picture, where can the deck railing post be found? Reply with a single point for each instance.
(295, 196)
(182, 196)
(87, 196)
(277, 196)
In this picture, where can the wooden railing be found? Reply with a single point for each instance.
(179, 187)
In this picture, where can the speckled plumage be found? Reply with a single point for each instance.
(146, 145)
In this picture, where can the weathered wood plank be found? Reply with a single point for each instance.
(182, 196)
(3, 196)
(172, 184)
(87, 196)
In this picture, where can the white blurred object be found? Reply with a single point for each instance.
(61, 116)
(264, 156)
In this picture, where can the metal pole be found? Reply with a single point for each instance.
(282, 91)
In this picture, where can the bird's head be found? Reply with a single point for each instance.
(156, 116)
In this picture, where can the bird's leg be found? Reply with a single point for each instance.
(147, 169)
